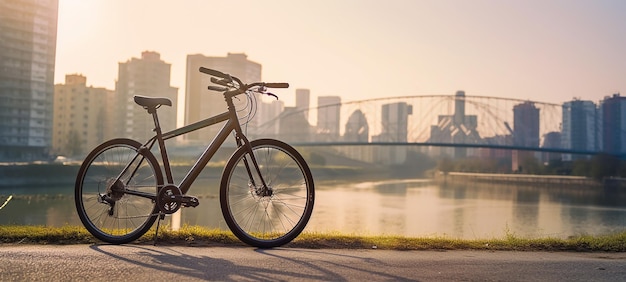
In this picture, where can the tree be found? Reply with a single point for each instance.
(604, 165)
(317, 159)
(445, 165)
(73, 145)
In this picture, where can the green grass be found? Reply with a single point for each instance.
(200, 236)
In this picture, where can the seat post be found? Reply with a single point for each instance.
(159, 137)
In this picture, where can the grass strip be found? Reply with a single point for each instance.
(201, 236)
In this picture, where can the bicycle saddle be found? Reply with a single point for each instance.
(152, 102)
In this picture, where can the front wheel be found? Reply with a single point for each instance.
(272, 215)
(114, 191)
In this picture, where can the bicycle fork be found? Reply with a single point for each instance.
(264, 190)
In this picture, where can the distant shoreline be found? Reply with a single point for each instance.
(530, 179)
(65, 174)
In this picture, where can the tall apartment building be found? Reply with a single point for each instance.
(201, 103)
(551, 140)
(82, 116)
(269, 118)
(294, 127)
(145, 76)
(525, 134)
(579, 130)
(303, 102)
(612, 124)
(526, 125)
(328, 118)
(395, 121)
(28, 31)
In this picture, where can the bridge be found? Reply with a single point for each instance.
(454, 123)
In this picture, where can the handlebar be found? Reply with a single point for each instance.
(222, 82)
(230, 82)
(277, 85)
(214, 72)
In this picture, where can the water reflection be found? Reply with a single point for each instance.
(408, 207)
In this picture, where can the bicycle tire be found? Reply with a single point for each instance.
(267, 221)
(130, 216)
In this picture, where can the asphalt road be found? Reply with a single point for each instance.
(163, 263)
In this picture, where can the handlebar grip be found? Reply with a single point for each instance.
(213, 72)
(217, 88)
(277, 85)
(222, 82)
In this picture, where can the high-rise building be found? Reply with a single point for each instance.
(303, 98)
(526, 125)
(613, 124)
(201, 103)
(579, 130)
(525, 133)
(357, 129)
(457, 128)
(294, 127)
(268, 116)
(395, 120)
(328, 118)
(81, 120)
(552, 140)
(145, 76)
(28, 31)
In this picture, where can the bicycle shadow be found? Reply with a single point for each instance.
(167, 259)
(279, 266)
(349, 262)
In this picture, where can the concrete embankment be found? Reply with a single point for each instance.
(520, 179)
(37, 174)
(64, 174)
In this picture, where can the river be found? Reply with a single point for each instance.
(416, 208)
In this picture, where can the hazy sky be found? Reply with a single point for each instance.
(543, 50)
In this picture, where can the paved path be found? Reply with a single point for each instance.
(163, 263)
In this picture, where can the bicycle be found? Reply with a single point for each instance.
(266, 190)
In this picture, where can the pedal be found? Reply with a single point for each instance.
(189, 201)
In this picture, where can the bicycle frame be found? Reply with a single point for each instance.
(232, 124)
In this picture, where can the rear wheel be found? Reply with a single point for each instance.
(268, 216)
(105, 197)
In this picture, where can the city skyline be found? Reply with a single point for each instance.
(536, 50)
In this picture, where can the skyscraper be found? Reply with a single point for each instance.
(268, 116)
(457, 128)
(525, 133)
(357, 129)
(613, 124)
(328, 118)
(526, 125)
(579, 130)
(395, 122)
(293, 126)
(147, 76)
(201, 103)
(28, 31)
(303, 98)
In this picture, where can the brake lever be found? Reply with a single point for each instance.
(271, 94)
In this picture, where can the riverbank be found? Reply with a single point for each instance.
(200, 236)
(52, 174)
(529, 179)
